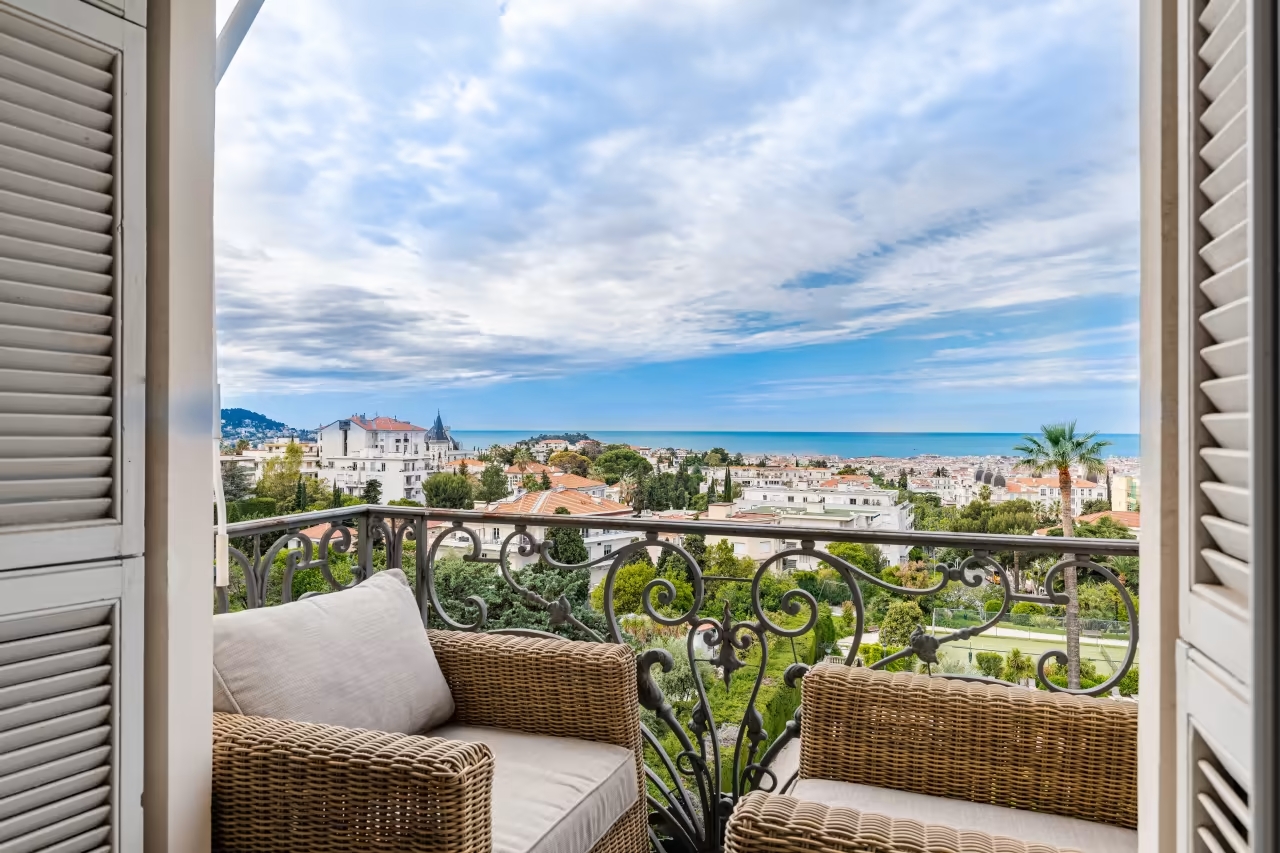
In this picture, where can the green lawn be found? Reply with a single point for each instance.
(1089, 650)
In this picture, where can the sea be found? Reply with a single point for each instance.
(896, 445)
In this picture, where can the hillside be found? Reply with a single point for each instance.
(243, 423)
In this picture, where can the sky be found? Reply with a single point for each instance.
(915, 215)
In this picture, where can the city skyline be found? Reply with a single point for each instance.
(690, 216)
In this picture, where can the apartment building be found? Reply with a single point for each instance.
(398, 454)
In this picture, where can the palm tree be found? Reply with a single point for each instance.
(1058, 449)
(522, 459)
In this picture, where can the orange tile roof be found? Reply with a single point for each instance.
(1035, 483)
(387, 424)
(473, 465)
(575, 502)
(530, 468)
(1132, 520)
(573, 481)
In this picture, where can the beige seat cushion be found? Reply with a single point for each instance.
(552, 794)
(358, 658)
(1055, 830)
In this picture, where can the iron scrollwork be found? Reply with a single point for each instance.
(693, 789)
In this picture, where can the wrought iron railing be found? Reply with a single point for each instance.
(693, 791)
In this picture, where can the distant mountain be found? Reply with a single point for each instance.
(246, 424)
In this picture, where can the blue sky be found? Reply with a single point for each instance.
(684, 214)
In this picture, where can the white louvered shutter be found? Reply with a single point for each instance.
(70, 287)
(72, 351)
(1222, 548)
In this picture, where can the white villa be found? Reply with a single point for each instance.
(396, 453)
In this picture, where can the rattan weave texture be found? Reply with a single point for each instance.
(774, 823)
(1008, 746)
(286, 786)
(551, 687)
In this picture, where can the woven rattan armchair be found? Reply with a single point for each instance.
(286, 786)
(898, 735)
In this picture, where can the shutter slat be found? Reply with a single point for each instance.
(1226, 69)
(1226, 106)
(54, 791)
(65, 215)
(1221, 823)
(1225, 287)
(42, 774)
(54, 319)
(1226, 794)
(54, 105)
(1227, 142)
(48, 146)
(52, 644)
(38, 231)
(55, 468)
(1227, 213)
(57, 44)
(1215, 12)
(1233, 573)
(54, 512)
(1227, 177)
(53, 63)
(1229, 359)
(53, 254)
(1223, 33)
(71, 425)
(54, 404)
(54, 129)
(1230, 466)
(25, 626)
(31, 447)
(41, 296)
(1229, 322)
(90, 842)
(56, 171)
(94, 98)
(1231, 502)
(53, 340)
(1232, 538)
(52, 665)
(53, 276)
(52, 191)
(26, 359)
(1229, 430)
(71, 384)
(57, 821)
(1228, 395)
(45, 730)
(51, 489)
(48, 709)
(1229, 249)
(47, 688)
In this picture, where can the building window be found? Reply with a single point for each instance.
(608, 549)
(791, 499)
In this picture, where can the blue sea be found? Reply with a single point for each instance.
(844, 444)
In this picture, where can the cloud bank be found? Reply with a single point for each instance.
(463, 193)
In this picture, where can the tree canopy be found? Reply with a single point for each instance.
(493, 484)
(612, 465)
(448, 491)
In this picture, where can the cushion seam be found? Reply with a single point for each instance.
(628, 766)
(227, 690)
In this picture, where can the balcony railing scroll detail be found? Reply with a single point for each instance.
(693, 791)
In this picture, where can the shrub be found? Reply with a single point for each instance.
(1128, 686)
(1028, 607)
(990, 664)
(992, 605)
(900, 620)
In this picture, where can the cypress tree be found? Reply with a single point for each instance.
(712, 497)
(300, 496)
(728, 484)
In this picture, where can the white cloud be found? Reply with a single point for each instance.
(439, 193)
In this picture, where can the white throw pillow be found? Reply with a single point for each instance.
(358, 658)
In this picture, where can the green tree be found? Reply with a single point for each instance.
(616, 463)
(335, 497)
(721, 560)
(280, 480)
(1057, 450)
(544, 482)
(372, 493)
(236, 482)
(570, 462)
(493, 484)
(900, 620)
(1095, 505)
(567, 545)
(300, 496)
(1019, 667)
(728, 484)
(457, 579)
(990, 664)
(521, 459)
(403, 502)
(712, 495)
(448, 491)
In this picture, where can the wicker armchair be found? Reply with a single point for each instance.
(286, 786)
(900, 762)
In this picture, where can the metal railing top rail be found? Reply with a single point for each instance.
(922, 538)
